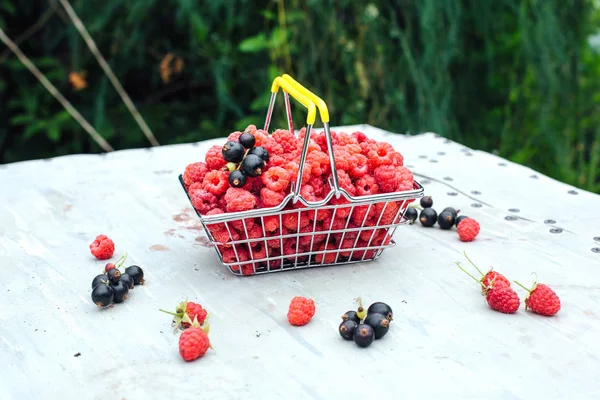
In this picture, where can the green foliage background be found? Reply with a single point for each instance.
(517, 77)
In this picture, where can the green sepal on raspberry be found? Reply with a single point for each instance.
(186, 313)
(488, 279)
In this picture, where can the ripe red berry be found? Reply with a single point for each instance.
(489, 279)
(301, 310)
(468, 229)
(193, 343)
(102, 247)
(541, 299)
(503, 298)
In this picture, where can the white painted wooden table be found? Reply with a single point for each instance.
(444, 341)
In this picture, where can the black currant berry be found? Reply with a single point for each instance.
(460, 219)
(259, 151)
(446, 219)
(364, 335)
(381, 308)
(247, 140)
(103, 295)
(114, 275)
(233, 152)
(351, 316)
(426, 202)
(253, 165)
(379, 323)
(127, 280)
(428, 217)
(237, 179)
(347, 328)
(102, 278)
(411, 214)
(452, 210)
(121, 292)
(136, 273)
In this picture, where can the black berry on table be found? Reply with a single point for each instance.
(103, 295)
(127, 281)
(237, 179)
(411, 214)
(379, 323)
(102, 278)
(364, 335)
(253, 165)
(233, 152)
(347, 329)
(121, 292)
(247, 140)
(426, 202)
(428, 217)
(136, 273)
(460, 219)
(381, 308)
(259, 151)
(113, 275)
(452, 210)
(351, 316)
(446, 219)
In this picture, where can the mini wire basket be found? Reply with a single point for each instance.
(339, 229)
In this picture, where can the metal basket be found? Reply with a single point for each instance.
(340, 229)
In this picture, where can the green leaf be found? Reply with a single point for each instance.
(53, 133)
(198, 26)
(253, 44)
(21, 119)
(33, 129)
(61, 117)
(278, 38)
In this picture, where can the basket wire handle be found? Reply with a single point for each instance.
(324, 113)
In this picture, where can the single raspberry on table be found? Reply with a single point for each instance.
(203, 201)
(216, 182)
(387, 178)
(541, 299)
(276, 179)
(102, 247)
(214, 157)
(366, 185)
(271, 198)
(380, 153)
(468, 229)
(301, 311)
(194, 342)
(503, 298)
(195, 172)
(239, 200)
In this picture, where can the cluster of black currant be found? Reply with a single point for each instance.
(244, 159)
(364, 326)
(113, 286)
(428, 216)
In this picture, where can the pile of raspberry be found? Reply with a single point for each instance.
(364, 167)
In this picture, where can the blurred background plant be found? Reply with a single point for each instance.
(519, 78)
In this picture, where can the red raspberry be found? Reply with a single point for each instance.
(492, 278)
(239, 255)
(405, 178)
(334, 224)
(253, 232)
(360, 217)
(203, 201)
(290, 220)
(343, 160)
(301, 311)
(346, 139)
(239, 200)
(359, 136)
(387, 178)
(277, 161)
(293, 167)
(468, 229)
(102, 247)
(193, 343)
(313, 146)
(195, 173)
(238, 224)
(326, 258)
(345, 182)
(359, 254)
(271, 223)
(260, 136)
(386, 212)
(319, 163)
(194, 187)
(258, 251)
(216, 182)
(541, 299)
(321, 188)
(251, 129)
(271, 198)
(503, 298)
(341, 212)
(276, 179)
(194, 311)
(381, 153)
(253, 184)
(288, 141)
(366, 186)
(214, 157)
(361, 166)
(309, 236)
(272, 146)
(234, 136)
(398, 160)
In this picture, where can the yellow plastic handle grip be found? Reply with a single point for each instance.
(323, 111)
(312, 110)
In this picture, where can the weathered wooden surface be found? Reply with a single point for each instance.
(444, 342)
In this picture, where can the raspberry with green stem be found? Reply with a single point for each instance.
(489, 276)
